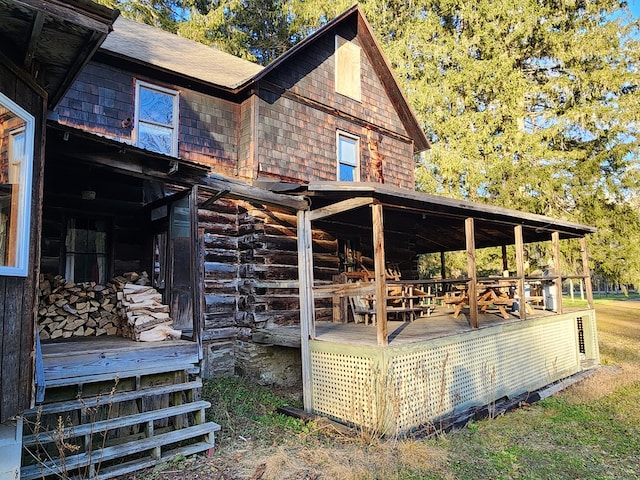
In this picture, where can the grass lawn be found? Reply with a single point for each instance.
(589, 431)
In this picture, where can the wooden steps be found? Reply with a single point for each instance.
(111, 426)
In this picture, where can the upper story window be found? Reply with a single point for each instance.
(156, 118)
(16, 163)
(348, 157)
(348, 81)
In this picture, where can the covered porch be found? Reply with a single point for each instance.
(432, 341)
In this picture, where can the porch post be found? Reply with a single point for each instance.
(522, 309)
(443, 267)
(469, 230)
(379, 273)
(505, 262)
(586, 271)
(557, 281)
(305, 286)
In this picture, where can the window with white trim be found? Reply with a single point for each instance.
(348, 150)
(156, 118)
(16, 165)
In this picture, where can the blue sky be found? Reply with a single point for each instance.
(635, 7)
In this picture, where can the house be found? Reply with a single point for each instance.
(260, 201)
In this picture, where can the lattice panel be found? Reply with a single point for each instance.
(397, 389)
(343, 386)
(435, 380)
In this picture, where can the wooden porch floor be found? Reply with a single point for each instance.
(440, 323)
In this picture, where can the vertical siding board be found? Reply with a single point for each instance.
(17, 314)
(11, 344)
(4, 363)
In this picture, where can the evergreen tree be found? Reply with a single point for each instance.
(531, 104)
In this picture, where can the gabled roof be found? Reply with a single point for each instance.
(151, 46)
(169, 52)
(378, 59)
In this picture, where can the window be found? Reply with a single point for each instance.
(347, 68)
(156, 119)
(348, 157)
(86, 250)
(16, 163)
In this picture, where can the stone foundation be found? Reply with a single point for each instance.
(268, 365)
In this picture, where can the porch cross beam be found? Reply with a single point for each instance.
(339, 207)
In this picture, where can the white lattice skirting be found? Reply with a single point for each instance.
(395, 389)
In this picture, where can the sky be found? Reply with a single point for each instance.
(634, 5)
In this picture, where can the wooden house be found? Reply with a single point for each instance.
(245, 203)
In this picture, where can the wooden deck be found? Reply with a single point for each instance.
(72, 361)
(441, 323)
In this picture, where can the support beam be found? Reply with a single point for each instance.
(307, 320)
(443, 266)
(469, 230)
(379, 274)
(522, 309)
(505, 261)
(586, 271)
(557, 281)
(339, 207)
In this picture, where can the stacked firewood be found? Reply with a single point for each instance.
(126, 306)
(69, 309)
(147, 317)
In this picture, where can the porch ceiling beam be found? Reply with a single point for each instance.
(339, 207)
(99, 20)
(34, 39)
(248, 192)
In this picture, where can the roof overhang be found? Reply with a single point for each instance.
(433, 222)
(52, 40)
(66, 143)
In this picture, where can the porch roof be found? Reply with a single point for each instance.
(437, 222)
(55, 38)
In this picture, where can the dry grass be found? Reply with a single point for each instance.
(592, 430)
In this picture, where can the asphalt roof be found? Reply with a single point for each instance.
(170, 52)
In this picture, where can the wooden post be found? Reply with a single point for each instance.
(557, 281)
(470, 235)
(379, 273)
(586, 271)
(443, 274)
(505, 262)
(307, 323)
(522, 309)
